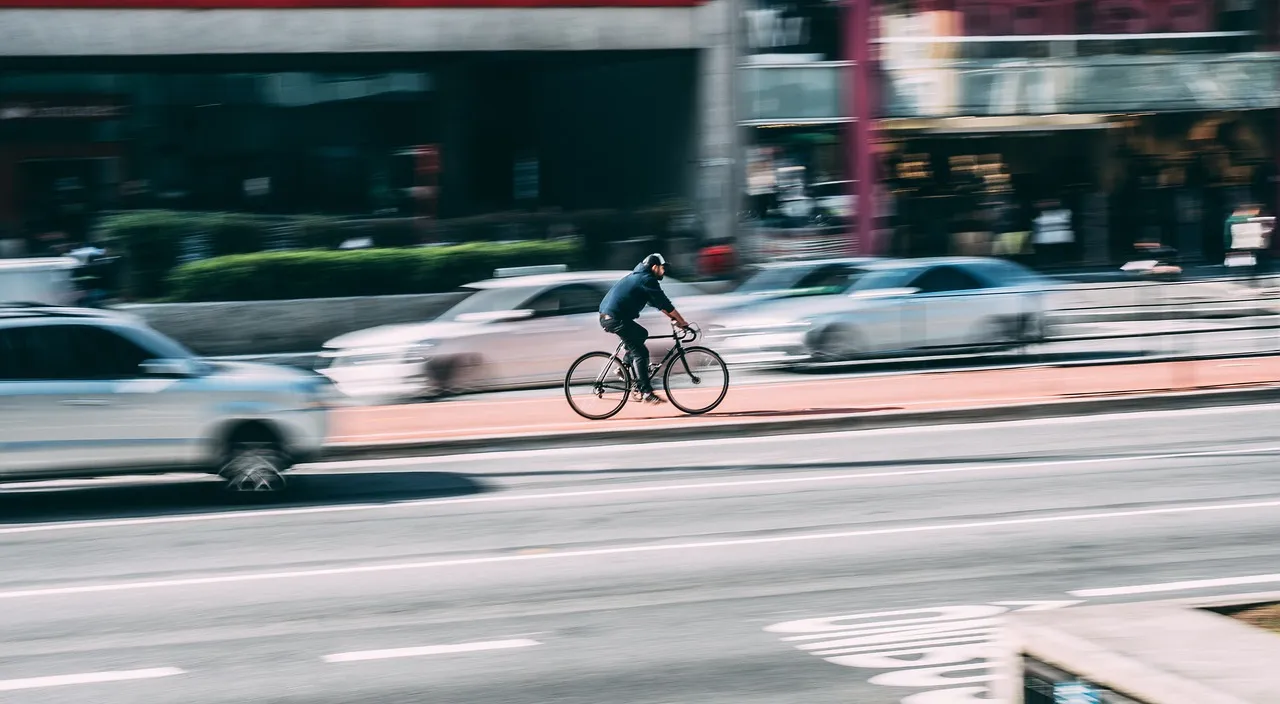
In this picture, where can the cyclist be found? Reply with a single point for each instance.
(622, 305)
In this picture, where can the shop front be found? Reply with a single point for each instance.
(1144, 126)
(360, 136)
(799, 197)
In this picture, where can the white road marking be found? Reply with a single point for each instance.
(362, 655)
(1176, 586)
(88, 678)
(624, 550)
(655, 488)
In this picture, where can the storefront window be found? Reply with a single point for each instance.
(799, 93)
(994, 29)
(277, 142)
(794, 31)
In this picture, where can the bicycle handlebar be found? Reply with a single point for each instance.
(688, 334)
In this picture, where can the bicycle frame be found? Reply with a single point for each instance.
(676, 350)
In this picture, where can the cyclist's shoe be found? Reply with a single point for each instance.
(652, 399)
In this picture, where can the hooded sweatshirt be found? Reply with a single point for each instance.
(632, 293)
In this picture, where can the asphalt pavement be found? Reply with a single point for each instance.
(867, 567)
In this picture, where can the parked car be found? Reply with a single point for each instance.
(509, 332)
(88, 393)
(905, 306)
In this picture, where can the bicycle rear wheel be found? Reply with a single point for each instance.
(597, 385)
(697, 384)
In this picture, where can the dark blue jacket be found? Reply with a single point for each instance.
(632, 293)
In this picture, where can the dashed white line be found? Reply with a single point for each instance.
(88, 678)
(363, 655)
(1176, 586)
(622, 550)
(647, 489)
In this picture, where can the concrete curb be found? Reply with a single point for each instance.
(790, 426)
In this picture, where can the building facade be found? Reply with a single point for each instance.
(436, 108)
(967, 120)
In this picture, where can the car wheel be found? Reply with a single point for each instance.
(836, 344)
(254, 465)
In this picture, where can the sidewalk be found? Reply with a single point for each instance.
(813, 399)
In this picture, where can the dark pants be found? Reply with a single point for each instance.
(633, 336)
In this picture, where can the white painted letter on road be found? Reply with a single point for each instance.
(946, 650)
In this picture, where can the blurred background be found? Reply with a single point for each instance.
(320, 152)
(750, 128)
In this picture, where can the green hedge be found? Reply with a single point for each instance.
(368, 272)
(152, 240)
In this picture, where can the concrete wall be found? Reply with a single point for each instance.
(271, 327)
(163, 32)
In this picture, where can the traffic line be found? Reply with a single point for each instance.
(623, 491)
(363, 655)
(242, 578)
(88, 678)
(1176, 586)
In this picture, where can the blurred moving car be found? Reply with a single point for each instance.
(87, 393)
(793, 279)
(509, 332)
(895, 307)
(47, 280)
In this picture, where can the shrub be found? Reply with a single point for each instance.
(151, 240)
(369, 272)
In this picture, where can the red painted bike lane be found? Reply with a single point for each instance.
(479, 417)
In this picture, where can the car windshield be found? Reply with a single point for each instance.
(489, 300)
(803, 280)
(1006, 273)
(884, 278)
(773, 279)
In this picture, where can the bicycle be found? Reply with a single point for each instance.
(604, 375)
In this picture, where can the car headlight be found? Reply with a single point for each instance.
(367, 356)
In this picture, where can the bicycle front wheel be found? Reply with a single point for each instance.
(698, 383)
(597, 385)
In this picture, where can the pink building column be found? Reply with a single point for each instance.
(860, 94)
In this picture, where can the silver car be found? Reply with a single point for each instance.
(510, 332)
(87, 393)
(895, 307)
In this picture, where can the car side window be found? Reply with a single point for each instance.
(829, 276)
(567, 300)
(946, 279)
(13, 362)
(32, 353)
(580, 299)
(80, 353)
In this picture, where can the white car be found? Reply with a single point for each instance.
(896, 307)
(90, 393)
(510, 332)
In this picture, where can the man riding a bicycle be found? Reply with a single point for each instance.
(623, 304)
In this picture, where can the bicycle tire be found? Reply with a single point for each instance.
(677, 365)
(611, 360)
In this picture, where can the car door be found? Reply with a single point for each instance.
(564, 325)
(30, 427)
(948, 307)
(106, 413)
(50, 408)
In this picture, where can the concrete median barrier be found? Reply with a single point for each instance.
(1163, 652)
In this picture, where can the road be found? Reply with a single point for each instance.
(691, 571)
